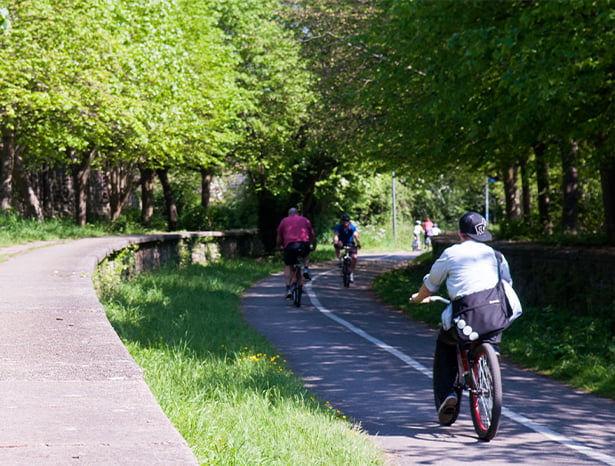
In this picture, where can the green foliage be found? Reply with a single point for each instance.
(5, 20)
(223, 385)
(474, 85)
(579, 350)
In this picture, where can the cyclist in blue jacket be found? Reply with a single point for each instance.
(346, 233)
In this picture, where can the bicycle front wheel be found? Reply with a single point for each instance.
(486, 392)
(346, 273)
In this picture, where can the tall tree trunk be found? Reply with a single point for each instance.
(267, 219)
(6, 169)
(147, 196)
(99, 203)
(526, 191)
(206, 177)
(46, 191)
(81, 172)
(512, 194)
(542, 184)
(570, 185)
(120, 181)
(607, 177)
(267, 209)
(172, 218)
(30, 200)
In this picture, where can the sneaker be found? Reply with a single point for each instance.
(446, 412)
(351, 277)
(339, 263)
(306, 274)
(288, 293)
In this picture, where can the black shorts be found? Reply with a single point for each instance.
(353, 248)
(294, 250)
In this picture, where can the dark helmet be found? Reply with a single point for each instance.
(345, 218)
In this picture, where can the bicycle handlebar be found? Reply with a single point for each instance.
(432, 299)
(440, 299)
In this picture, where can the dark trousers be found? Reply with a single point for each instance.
(445, 365)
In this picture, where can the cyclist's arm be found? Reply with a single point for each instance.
(356, 239)
(420, 295)
(336, 239)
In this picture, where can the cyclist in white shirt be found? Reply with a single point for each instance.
(467, 267)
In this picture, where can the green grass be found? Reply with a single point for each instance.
(223, 385)
(15, 230)
(574, 349)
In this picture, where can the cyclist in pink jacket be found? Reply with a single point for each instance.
(295, 237)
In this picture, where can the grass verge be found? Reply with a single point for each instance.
(223, 385)
(578, 350)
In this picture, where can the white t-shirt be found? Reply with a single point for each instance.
(467, 267)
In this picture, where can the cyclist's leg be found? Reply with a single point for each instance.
(445, 367)
(338, 249)
(288, 262)
(353, 258)
(290, 256)
(303, 252)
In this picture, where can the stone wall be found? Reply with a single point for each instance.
(150, 252)
(579, 278)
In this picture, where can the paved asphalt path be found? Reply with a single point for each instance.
(373, 364)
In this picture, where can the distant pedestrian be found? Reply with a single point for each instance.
(428, 229)
(417, 234)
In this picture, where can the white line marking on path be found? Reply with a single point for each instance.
(550, 434)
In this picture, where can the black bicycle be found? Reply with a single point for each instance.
(296, 286)
(346, 261)
(479, 374)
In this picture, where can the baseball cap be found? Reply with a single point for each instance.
(475, 226)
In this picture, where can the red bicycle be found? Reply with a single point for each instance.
(480, 375)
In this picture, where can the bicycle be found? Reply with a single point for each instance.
(346, 261)
(296, 286)
(479, 374)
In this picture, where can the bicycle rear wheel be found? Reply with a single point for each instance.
(297, 292)
(486, 394)
(297, 287)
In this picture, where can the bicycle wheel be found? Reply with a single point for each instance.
(486, 394)
(297, 292)
(297, 288)
(346, 273)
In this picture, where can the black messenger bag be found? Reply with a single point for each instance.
(482, 315)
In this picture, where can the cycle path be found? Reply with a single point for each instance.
(69, 391)
(374, 364)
